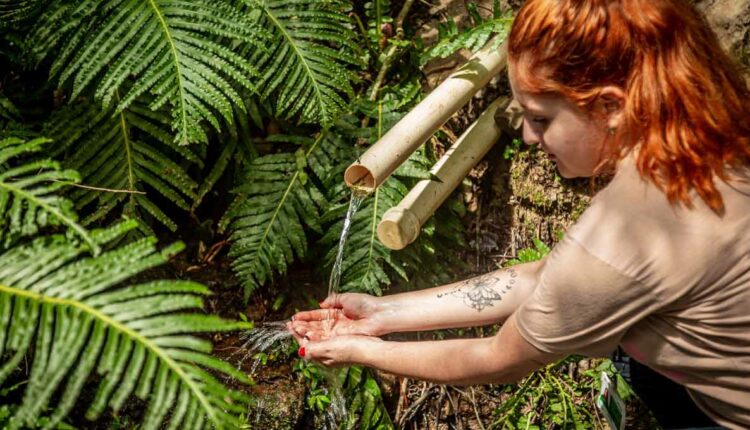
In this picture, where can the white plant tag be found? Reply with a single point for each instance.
(611, 404)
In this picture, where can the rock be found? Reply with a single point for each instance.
(279, 406)
(730, 19)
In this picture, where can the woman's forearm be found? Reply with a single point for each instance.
(485, 299)
(456, 362)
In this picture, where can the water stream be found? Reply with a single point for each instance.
(333, 282)
(275, 337)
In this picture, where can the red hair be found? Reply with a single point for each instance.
(686, 107)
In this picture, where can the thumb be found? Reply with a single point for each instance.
(332, 301)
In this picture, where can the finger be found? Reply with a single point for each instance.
(317, 335)
(299, 327)
(333, 301)
(314, 315)
(302, 340)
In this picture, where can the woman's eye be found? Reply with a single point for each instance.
(539, 120)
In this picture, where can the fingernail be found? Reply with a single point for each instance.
(301, 351)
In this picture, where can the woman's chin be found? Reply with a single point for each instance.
(566, 173)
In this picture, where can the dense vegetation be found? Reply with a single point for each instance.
(125, 120)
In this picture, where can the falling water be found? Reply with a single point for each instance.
(354, 203)
(274, 336)
(337, 413)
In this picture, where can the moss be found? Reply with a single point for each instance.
(279, 408)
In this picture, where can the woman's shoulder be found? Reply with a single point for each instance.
(632, 226)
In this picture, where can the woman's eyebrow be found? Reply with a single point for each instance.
(532, 111)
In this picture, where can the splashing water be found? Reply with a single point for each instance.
(275, 337)
(266, 338)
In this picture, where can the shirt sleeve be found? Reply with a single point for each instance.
(582, 305)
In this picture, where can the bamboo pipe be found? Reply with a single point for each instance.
(381, 159)
(401, 224)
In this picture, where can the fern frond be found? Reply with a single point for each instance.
(367, 263)
(181, 52)
(366, 260)
(365, 400)
(473, 39)
(30, 193)
(12, 11)
(8, 111)
(306, 71)
(78, 320)
(130, 153)
(274, 205)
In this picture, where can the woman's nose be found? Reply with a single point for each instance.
(530, 135)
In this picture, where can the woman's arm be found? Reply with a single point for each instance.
(485, 299)
(504, 358)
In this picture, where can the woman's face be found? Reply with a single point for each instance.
(571, 138)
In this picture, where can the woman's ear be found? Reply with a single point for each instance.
(611, 103)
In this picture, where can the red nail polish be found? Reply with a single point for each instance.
(301, 351)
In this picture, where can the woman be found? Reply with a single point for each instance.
(660, 262)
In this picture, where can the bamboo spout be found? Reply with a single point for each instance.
(401, 224)
(378, 162)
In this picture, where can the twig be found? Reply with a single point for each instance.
(89, 187)
(402, 398)
(389, 56)
(476, 410)
(383, 70)
(414, 408)
(439, 405)
(365, 35)
(401, 17)
(456, 413)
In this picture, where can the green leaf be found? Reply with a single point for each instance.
(473, 39)
(180, 52)
(8, 111)
(79, 317)
(29, 193)
(13, 11)
(306, 70)
(267, 220)
(125, 158)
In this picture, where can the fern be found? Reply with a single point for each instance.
(365, 400)
(77, 318)
(29, 197)
(180, 52)
(306, 69)
(527, 255)
(12, 11)
(368, 264)
(8, 111)
(366, 260)
(451, 39)
(130, 152)
(274, 205)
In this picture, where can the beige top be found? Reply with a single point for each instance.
(668, 284)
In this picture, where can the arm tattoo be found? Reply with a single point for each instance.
(483, 291)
